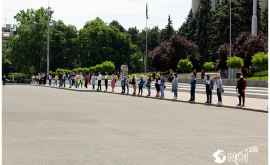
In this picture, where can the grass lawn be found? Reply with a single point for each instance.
(263, 75)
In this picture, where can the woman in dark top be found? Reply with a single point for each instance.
(157, 85)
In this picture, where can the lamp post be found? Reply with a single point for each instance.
(230, 35)
(48, 40)
(254, 25)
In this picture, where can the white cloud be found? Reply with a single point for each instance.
(127, 12)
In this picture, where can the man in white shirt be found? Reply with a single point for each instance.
(99, 78)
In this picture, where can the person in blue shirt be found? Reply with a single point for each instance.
(162, 87)
(140, 85)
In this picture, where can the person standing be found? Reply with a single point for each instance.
(50, 79)
(148, 86)
(192, 87)
(140, 85)
(86, 80)
(113, 82)
(127, 85)
(202, 74)
(81, 77)
(175, 86)
(162, 87)
(133, 83)
(209, 87)
(73, 80)
(99, 78)
(157, 85)
(220, 90)
(241, 87)
(106, 82)
(93, 81)
(55, 78)
(123, 83)
(64, 80)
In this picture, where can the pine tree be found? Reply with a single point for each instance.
(265, 22)
(168, 32)
(203, 24)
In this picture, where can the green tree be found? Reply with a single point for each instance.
(265, 22)
(28, 48)
(64, 45)
(117, 25)
(134, 34)
(168, 32)
(100, 42)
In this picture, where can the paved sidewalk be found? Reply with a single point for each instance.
(256, 104)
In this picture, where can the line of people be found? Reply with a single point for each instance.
(79, 80)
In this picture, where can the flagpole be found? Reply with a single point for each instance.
(146, 48)
(146, 42)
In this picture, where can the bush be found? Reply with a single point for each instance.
(80, 70)
(184, 66)
(18, 77)
(108, 66)
(61, 71)
(209, 66)
(92, 69)
(260, 61)
(235, 62)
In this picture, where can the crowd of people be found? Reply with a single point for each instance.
(79, 80)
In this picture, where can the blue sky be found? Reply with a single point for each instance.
(128, 12)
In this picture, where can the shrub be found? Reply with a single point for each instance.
(18, 77)
(92, 69)
(260, 61)
(235, 62)
(209, 66)
(80, 70)
(108, 66)
(61, 71)
(184, 66)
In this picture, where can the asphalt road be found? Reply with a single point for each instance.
(45, 126)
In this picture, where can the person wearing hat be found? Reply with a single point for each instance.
(241, 87)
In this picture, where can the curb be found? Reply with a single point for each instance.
(165, 99)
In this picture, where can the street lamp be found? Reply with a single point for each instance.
(254, 25)
(48, 39)
(230, 51)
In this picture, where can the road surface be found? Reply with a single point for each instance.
(46, 126)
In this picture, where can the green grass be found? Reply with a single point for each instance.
(263, 75)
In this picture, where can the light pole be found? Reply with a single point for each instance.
(230, 35)
(48, 40)
(254, 25)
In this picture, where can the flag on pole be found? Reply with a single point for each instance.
(147, 17)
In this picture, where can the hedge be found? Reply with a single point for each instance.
(260, 61)
(184, 66)
(209, 66)
(235, 62)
